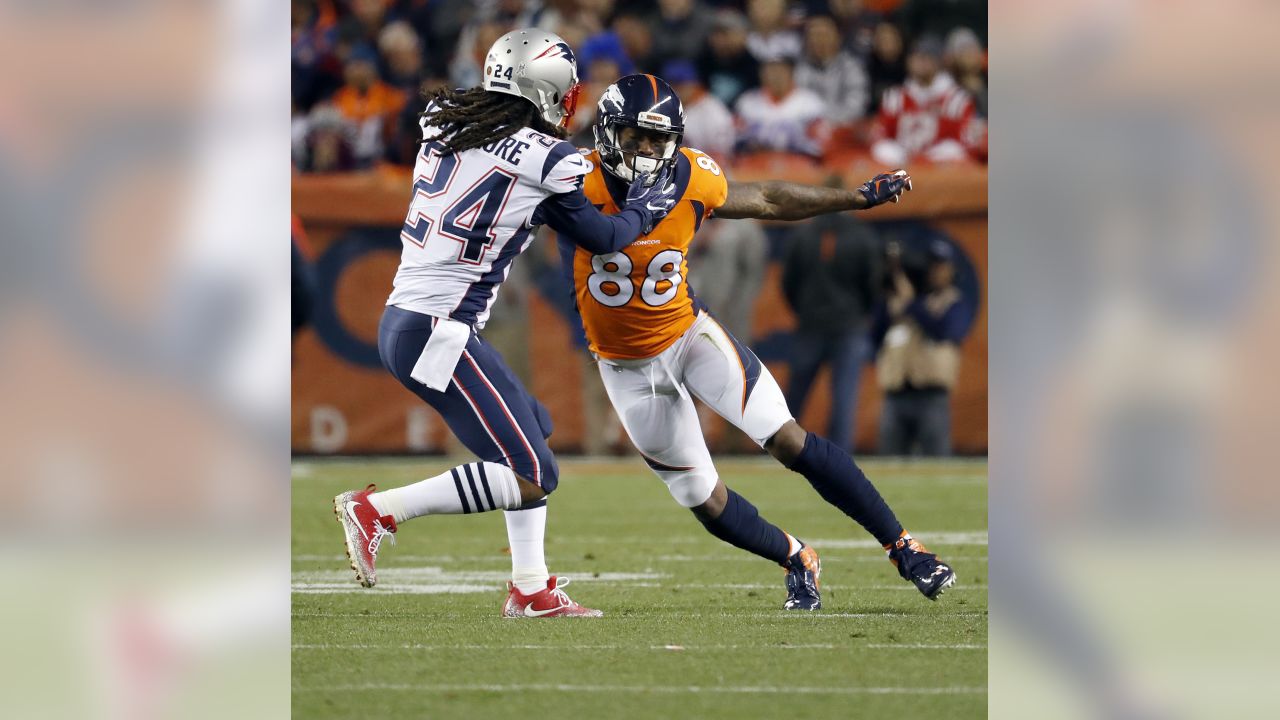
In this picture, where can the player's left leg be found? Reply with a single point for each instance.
(727, 376)
(527, 525)
(496, 418)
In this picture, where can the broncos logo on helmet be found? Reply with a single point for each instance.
(649, 104)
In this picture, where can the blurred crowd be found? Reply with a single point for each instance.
(901, 80)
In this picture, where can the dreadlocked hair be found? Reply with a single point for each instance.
(471, 118)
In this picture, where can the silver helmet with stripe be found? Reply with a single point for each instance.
(538, 66)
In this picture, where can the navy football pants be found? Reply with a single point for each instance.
(486, 406)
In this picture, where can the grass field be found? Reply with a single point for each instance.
(693, 627)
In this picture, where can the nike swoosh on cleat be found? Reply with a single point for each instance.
(530, 612)
(351, 514)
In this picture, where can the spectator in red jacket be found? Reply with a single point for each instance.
(929, 116)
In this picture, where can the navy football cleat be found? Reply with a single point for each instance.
(915, 563)
(803, 569)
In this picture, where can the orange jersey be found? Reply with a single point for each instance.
(636, 303)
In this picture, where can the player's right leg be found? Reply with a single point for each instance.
(662, 422)
(368, 516)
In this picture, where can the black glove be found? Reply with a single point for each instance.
(655, 193)
(886, 187)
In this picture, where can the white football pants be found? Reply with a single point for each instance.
(653, 399)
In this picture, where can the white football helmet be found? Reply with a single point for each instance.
(538, 66)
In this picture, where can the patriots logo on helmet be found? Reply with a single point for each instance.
(560, 49)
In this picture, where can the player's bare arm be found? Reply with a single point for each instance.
(780, 200)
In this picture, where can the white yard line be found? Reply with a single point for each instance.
(925, 646)
(419, 588)
(778, 586)
(437, 580)
(419, 646)
(972, 537)
(344, 587)
(646, 689)
(929, 538)
(832, 616)
(756, 615)
(503, 560)
(748, 557)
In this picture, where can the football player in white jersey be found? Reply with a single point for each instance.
(493, 166)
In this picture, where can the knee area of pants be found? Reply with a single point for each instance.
(550, 471)
(691, 489)
(788, 443)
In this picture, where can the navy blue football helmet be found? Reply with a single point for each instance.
(645, 102)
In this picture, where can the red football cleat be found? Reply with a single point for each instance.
(364, 529)
(548, 602)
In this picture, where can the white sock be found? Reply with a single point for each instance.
(474, 487)
(525, 531)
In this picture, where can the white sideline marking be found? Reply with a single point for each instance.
(693, 689)
(967, 538)
(387, 589)
(419, 646)
(436, 574)
(754, 615)
(715, 557)
(929, 539)
(926, 646)
(435, 581)
(748, 557)
(826, 615)
(775, 586)
(346, 586)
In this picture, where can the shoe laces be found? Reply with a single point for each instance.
(559, 594)
(379, 532)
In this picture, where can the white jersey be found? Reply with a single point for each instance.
(470, 217)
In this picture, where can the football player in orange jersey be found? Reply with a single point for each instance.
(658, 347)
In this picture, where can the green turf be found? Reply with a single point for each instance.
(693, 628)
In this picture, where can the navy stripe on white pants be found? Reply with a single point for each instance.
(486, 405)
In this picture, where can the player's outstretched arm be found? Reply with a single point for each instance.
(573, 216)
(778, 200)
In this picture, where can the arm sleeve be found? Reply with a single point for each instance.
(572, 216)
(564, 169)
(707, 182)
